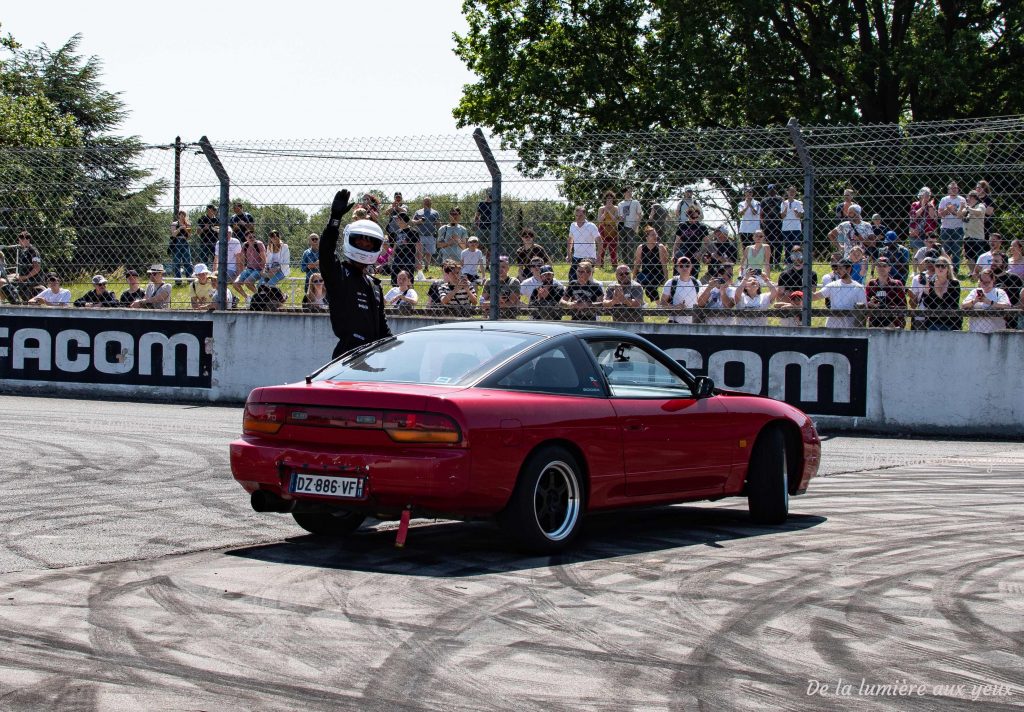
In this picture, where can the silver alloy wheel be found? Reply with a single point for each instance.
(556, 500)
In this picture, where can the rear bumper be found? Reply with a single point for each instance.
(433, 479)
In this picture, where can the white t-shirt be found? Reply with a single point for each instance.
(584, 239)
(715, 302)
(471, 261)
(750, 217)
(843, 296)
(629, 213)
(528, 286)
(974, 225)
(234, 247)
(790, 220)
(394, 293)
(58, 299)
(988, 324)
(985, 260)
(848, 232)
(682, 294)
(951, 222)
(758, 301)
(282, 258)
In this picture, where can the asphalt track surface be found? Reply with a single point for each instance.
(133, 575)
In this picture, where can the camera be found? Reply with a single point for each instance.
(757, 271)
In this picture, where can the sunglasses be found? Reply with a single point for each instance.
(451, 270)
(316, 281)
(941, 267)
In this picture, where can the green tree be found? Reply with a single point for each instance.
(548, 70)
(112, 220)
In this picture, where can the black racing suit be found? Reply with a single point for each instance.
(356, 301)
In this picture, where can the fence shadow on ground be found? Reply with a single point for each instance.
(461, 549)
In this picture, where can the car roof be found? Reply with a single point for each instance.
(540, 328)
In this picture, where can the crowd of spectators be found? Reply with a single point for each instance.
(914, 273)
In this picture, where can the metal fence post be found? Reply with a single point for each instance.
(177, 175)
(222, 219)
(492, 166)
(808, 221)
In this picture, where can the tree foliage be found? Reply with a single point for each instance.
(549, 71)
(84, 199)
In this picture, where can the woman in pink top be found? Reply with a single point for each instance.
(924, 218)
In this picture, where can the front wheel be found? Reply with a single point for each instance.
(768, 479)
(336, 524)
(546, 507)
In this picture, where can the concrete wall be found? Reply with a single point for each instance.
(947, 383)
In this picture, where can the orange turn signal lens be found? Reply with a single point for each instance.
(421, 428)
(263, 418)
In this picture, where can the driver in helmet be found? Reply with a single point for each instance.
(356, 299)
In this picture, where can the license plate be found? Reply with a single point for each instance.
(327, 485)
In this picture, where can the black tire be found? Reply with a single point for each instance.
(336, 524)
(546, 507)
(768, 479)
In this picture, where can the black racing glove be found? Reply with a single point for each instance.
(339, 207)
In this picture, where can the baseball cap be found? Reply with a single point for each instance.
(546, 269)
(891, 236)
(473, 239)
(797, 293)
(130, 273)
(503, 258)
(770, 186)
(855, 209)
(883, 260)
(200, 269)
(99, 279)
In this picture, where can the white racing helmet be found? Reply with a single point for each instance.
(365, 228)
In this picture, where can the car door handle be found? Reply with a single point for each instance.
(634, 426)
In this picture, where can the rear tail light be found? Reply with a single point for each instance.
(401, 426)
(263, 418)
(421, 428)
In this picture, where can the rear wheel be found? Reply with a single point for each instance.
(768, 479)
(546, 507)
(337, 524)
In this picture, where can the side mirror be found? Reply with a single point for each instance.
(703, 387)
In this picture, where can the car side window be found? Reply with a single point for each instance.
(561, 369)
(634, 372)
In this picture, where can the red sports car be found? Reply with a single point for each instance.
(535, 423)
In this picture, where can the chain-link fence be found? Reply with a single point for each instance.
(783, 225)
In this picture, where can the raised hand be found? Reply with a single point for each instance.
(341, 205)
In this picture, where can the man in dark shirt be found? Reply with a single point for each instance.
(721, 249)
(356, 299)
(134, 292)
(791, 279)
(546, 298)
(583, 294)
(482, 219)
(407, 247)
(886, 297)
(241, 221)
(208, 232)
(1010, 283)
(528, 251)
(99, 296)
(771, 222)
(898, 256)
(28, 276)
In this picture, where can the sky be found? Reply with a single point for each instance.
(261, 70)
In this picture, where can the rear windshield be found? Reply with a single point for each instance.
(440, 357)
